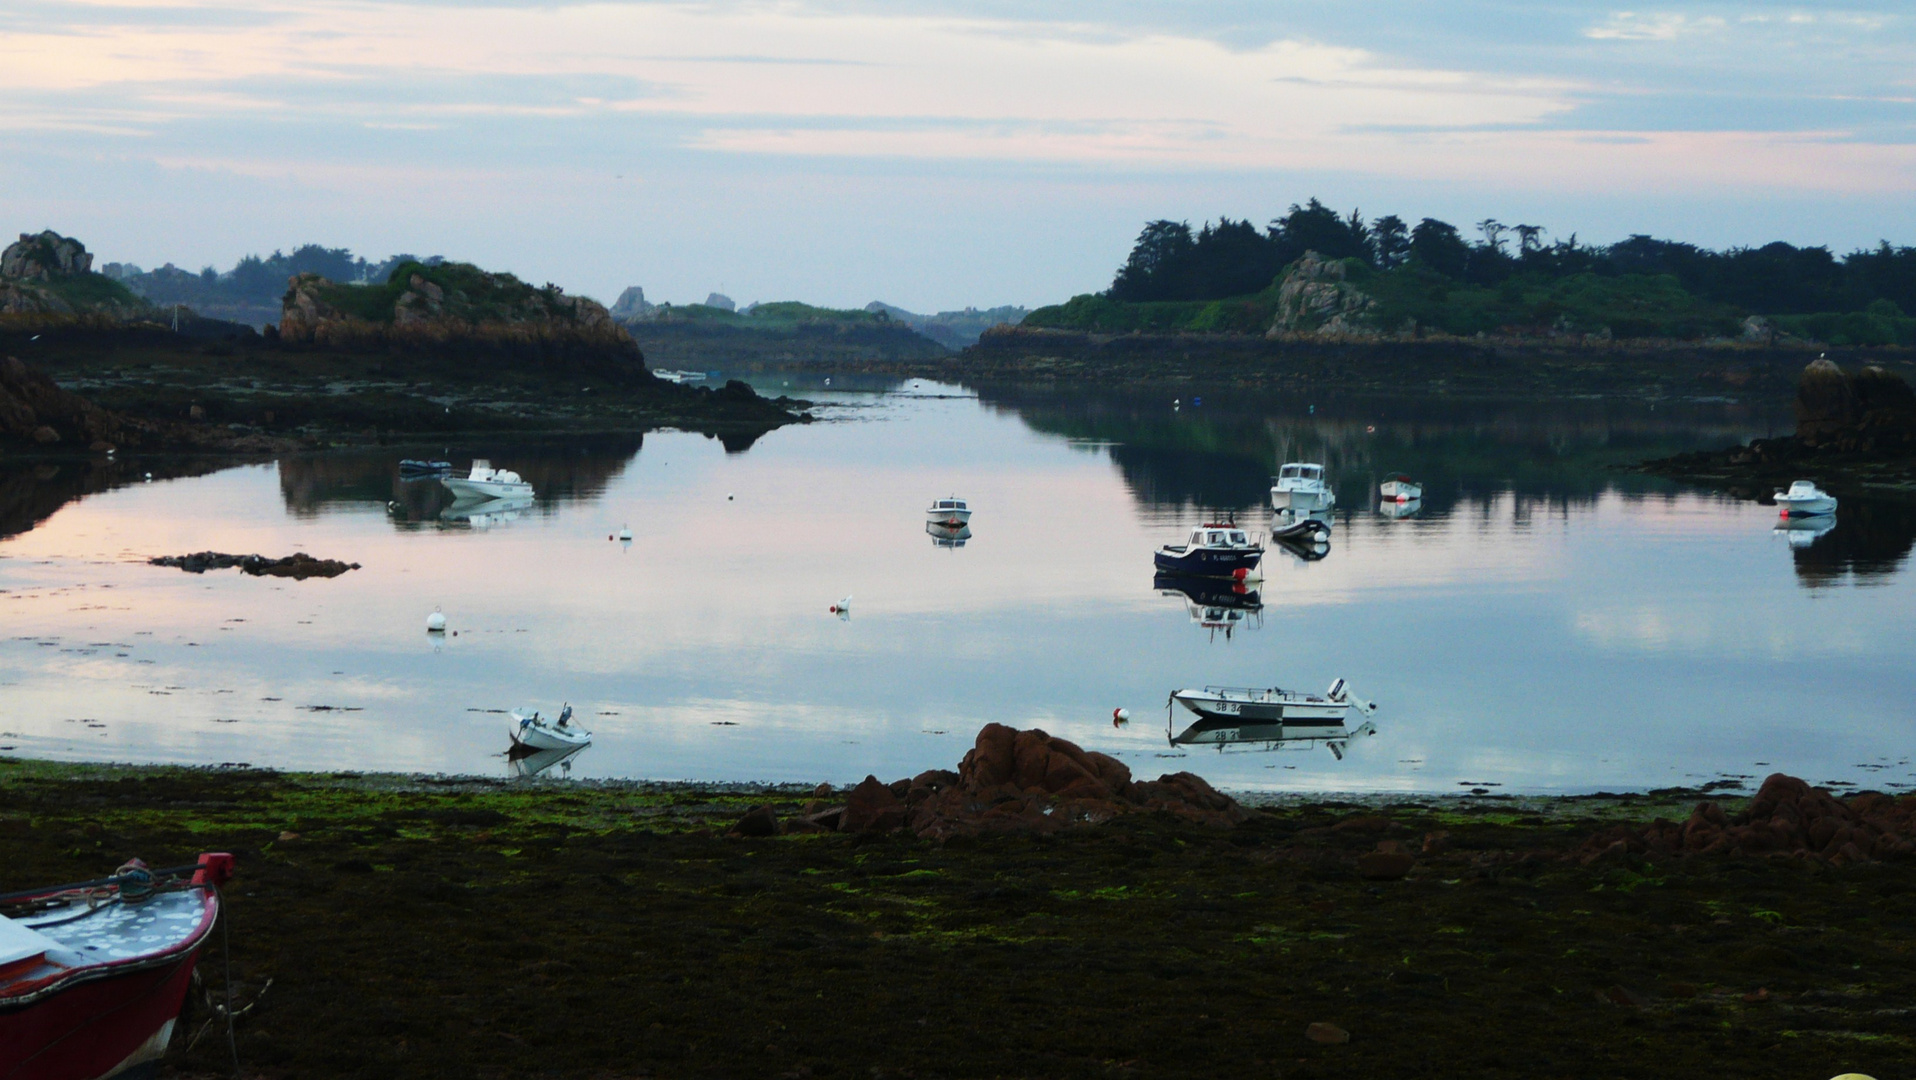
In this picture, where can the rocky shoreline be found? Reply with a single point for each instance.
(1855, 435)
(435, 926)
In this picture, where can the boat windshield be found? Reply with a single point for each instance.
(1238, 538)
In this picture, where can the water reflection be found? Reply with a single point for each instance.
(947, 536)
(486, 513)
(526, 762)
(560, 471)
(1230, 735)
(1217, 606)
(32, 491)
(1397, 511)
(1865, 543)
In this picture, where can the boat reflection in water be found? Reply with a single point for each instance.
(486, 513)
(1305, 536)
(1230, 734)
(526, 762)
(948, 536)
(1213, 604)
(1801, 532)
(1394, 510)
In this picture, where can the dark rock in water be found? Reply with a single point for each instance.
(1870, 410)
(298, 565)
(1824, 400)
(758, 821)
(1787, 818)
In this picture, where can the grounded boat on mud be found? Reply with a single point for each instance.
(535, 731)
(93, 974)
(1215, 550)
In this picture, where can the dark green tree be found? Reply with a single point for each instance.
(1437, 246)
(1390, 241)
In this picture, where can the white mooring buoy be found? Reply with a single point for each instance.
(436, 622)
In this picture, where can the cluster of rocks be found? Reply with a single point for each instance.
(1788, 818)
(498, 311)
(1315, 298)
(1869, 409)
(298, 566)
(1011, 781)
(37, 269)
(34, 410)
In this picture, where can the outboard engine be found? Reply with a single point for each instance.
(1336, 692)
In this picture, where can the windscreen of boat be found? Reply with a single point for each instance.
(1215, 538)
(1238, 538)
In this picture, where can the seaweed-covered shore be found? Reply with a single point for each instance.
(467, 927)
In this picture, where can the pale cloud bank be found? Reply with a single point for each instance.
(308, 108)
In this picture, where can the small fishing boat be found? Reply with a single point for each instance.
(539, 733)
(950, 511)
(415, 469)
(1300, 486)
(93, 974)
(1273, 705)
(1805, 499)
(483, 481)
(947, 536)
(1215, 550)
(1400, 488)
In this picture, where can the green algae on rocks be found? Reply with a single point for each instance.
(460, 927)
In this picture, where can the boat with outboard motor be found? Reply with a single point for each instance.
(1300, 486)
(1214, 550)
(483, 481)
(93, 974)
(1804, 499)
(951, 511)
(1273, 705)
(531, 729)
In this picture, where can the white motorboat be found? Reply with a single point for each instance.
(1273, 705)
(539, 733)
(1400, 488)
(1300, 486)
(483, 481)
(1805, 499)
(950, 511)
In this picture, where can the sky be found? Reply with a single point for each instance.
(928, 153)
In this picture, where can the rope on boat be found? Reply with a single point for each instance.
(51, 891)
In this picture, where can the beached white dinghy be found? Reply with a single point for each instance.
(531, 729)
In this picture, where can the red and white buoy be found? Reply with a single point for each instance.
(1120, 717)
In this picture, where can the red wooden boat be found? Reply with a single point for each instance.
(92, 975)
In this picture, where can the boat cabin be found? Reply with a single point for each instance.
(1219, 536)
(1301, 471)
(949, 504)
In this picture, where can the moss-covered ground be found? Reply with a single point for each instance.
(422, 927)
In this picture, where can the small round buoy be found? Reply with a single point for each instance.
(1370, 429)
(1240, 574)
(436, 622)
(1120, 717)
(728, 496)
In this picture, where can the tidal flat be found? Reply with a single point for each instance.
(426, 926)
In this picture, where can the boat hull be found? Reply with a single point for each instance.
(1247, 709)
(950, 519)
(1208, 562)
(475, 490)
(1400, 490)
(1816, 506)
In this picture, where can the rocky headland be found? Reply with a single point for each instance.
(434, 350)
(1855, 433)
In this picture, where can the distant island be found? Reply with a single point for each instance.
(1315, 274)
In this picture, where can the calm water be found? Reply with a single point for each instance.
(1543, 623)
